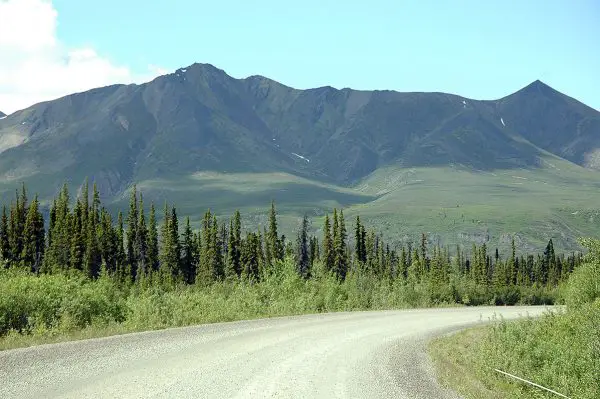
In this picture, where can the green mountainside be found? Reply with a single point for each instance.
(462, 169)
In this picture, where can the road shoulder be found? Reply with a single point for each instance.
(452, 358)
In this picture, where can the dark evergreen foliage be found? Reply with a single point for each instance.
(82, 236)
(302, 250)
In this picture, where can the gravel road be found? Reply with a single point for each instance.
(338, 355)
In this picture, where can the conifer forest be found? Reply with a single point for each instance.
(82, 266)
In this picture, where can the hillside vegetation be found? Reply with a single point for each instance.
(86, 275)
(560, 350)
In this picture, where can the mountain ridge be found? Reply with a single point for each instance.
(417, 128)
(200, 120)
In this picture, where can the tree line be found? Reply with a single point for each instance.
(82, 235)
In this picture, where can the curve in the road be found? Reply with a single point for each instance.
(337, 355)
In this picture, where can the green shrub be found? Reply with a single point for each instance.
(560, 351)
(583, 286)
(29, 302)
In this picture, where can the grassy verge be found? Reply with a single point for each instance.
(53, 308)
(560, 350)
(454, 356)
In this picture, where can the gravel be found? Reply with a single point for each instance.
(338, 355)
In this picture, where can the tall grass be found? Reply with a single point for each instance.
(58, 305)
(560, 350)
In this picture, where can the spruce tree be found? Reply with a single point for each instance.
(389, 263)
(499, 277)
(204, 270)
(370, 252)
(108, 242)
(60, 235)
(141, 241)
(188, 253)
(120, 257)
(33, 238)
(15, 230)
(475, 264)
(341, 261)
(84, 199)
(175, 253)
(381, 259)
(520, 272)
(335, 237)
(132, 221)
(40, 238)
(78, 240)
(96, 204)
(223, 244)
(259, 251)
(547, 264)
(328, 254)
(424, 261)
(21, 216)
(249, 257)
(46, 266)
(485, 269)
(4, 242)
(511, 268)
(313, 250)
(403, 273)
(92, 259)
(198, 252)
(234, 247)
(152, 250)
(237, 237)
(559, 269)
(274, 247)
(414, 267)
(218, 270)
(359, 238)
(302, 250)
(166, 246)
(530, 269)
(549, 275)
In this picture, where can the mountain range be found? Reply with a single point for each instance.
(206, 139)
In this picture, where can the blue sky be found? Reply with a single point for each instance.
(479, 49)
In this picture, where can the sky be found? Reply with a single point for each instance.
(477, 49)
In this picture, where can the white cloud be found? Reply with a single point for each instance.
(35, 66)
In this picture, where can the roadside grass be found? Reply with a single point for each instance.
(559, 350)
(54, 308)
(454, 356)
(59, 307)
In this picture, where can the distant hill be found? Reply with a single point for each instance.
(2, 114)
(199, 120)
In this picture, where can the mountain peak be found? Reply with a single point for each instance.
(537, 86)
(204, 69)
(2, 114)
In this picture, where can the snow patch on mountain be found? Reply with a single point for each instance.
(300, 156)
